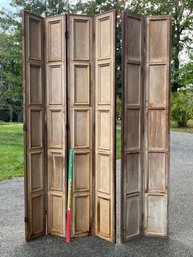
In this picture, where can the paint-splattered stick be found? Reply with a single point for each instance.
(68, 221)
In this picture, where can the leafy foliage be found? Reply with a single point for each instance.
(181, 107)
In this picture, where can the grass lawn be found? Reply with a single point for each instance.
(11, 147)
(11, 150)
(188, 129)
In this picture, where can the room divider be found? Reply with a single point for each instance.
(69, 103)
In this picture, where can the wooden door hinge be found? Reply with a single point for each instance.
(26, 220)
(67, 127)
(66, 35)
(24, 127)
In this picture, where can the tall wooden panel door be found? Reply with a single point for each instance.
(132, 128)
(55, 28)
(105, 126)
(80, 90)
(157, 126)
(34, 122)
(145, 148)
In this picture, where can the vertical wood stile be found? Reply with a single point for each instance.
(55, 28)
(105, 126)
(156, 165)
(81, 93)
(132, 126)
(34, 124)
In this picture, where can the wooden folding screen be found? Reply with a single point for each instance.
(132, 126)
(65, 118)
(156, 143)
(34, 125)
(105, 125)
(145, 130)
(55, 28)
(81, 116)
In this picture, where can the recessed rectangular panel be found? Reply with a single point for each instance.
(158, 35)
(56, 219)
(133, 47)
(35, 84)
(156, 219)
(36, 171)
(104, 129)
(55, 40)
(104, 37)
(35, 39)
(55, 170)
(156, 129)
(133, 216)
(104, 167)
(82, 214)
(81, 39)
(81, 171)
(157, 85)
(36, 128)
(81, 84)
(105, 125)
(55, 84)
(133, 173)
(56, 129)
(104, 225)
(81, 128)
(34, 122)
(156, 125)
(133, 84)
(132, 137)
(37, 216)
(156, 172)
(104, 87)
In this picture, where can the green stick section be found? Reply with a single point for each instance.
(70, 179)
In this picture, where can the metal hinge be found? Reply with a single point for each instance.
(24, 127)
(46, 212)
(66, 34)
(142, 217)
(26, 220)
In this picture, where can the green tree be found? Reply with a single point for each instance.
(10, 64)
(182, 26)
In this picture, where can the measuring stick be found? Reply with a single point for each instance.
(68, 221)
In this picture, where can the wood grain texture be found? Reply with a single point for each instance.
(81, 99)
(56, 117)
(156, 143)
(34, 123)
(145, 129)
(105, 126)
(132, 126)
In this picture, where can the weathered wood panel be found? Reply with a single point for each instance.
(157, 126)
(105, 126)
(55, 28)
(81, 89)
(132, 126)
(34, 123)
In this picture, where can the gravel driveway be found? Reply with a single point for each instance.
(180, 243)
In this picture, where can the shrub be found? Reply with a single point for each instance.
(181, 108)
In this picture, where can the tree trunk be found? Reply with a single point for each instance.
(11, 115)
